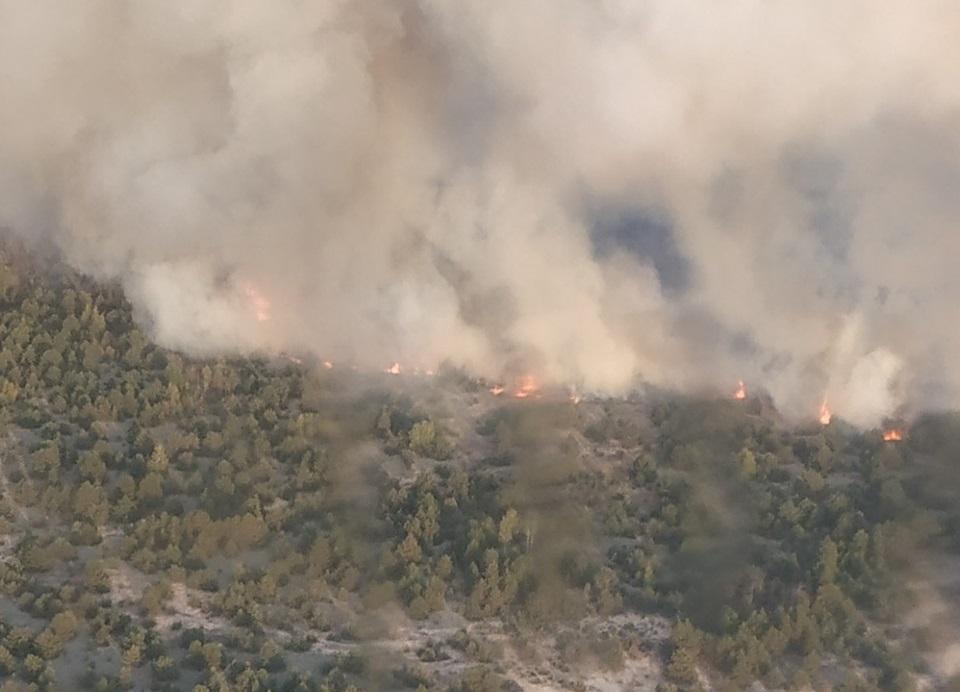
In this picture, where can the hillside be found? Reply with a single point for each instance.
(254, 523)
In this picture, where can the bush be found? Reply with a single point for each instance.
(426, 441)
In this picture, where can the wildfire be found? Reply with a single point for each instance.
(258, 303)
(393, 369)
(497, 390)
(527, 387)
(826, 415)
(741, 392)
(328, 365)
(892, 435)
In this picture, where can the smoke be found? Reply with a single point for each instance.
(420, 180)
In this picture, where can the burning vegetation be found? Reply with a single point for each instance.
(526, 387)
(826, 415)
(893, 430)
(259, 304)
(741, 391)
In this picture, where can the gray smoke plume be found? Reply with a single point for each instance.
(602, 191)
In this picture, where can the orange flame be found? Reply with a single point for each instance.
(892, 435)
(826, 415)
(497, 390)
(328, 365)
(741, 392)
(258, 303)
(527, 387)
(393, 369)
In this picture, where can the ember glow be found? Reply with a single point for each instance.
(527, 387)
(393, 369)
(741, 391)
(258, 304)
(892, 435)
(328, 365)
(826, 415)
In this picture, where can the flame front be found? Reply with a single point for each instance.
(497, 390)
(741, 392)
(826, 415)
(393, 369)
(258, 303)
(892, 435)
(328, 365)
(527, 387)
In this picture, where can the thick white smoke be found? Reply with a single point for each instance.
(422, 180)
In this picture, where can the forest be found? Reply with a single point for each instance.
(172, 522)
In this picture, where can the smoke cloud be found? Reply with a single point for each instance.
(420, 180)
